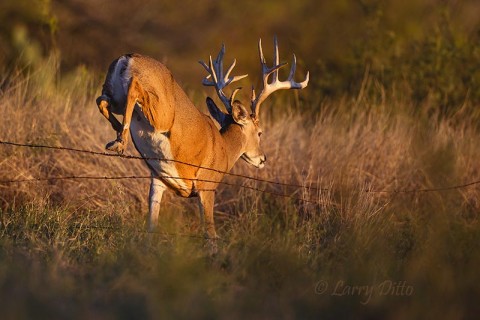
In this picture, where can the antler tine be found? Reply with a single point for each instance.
(206, 81)
(230, 69)
(235, 78)
(253, 97)
(276, 58)
(217, 79)
(232, 97)
(293, 68)
(260, 52)
(213, 71)
(297, 85)
(275, 84)
(219, 60)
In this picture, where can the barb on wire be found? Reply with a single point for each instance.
(131, 157)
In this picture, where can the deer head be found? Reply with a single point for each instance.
(237, 113)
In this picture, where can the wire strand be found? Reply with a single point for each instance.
(73, 177)
(131, 157)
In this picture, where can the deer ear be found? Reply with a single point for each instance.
(239, 113)
(215, 112)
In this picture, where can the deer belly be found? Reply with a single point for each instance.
(151, 144)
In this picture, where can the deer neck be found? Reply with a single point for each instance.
(235, 142)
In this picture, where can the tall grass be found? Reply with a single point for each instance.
(78, 249)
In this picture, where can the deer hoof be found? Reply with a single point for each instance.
(117, 146)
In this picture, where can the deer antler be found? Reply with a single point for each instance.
(275, 84)
(220, 81)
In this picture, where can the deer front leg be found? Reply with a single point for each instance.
(207, 199)
(120, 144)
(157, 187)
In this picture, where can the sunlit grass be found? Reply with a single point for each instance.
(78, 248)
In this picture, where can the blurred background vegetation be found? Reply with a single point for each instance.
(427, 51)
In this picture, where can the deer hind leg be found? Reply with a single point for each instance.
(206, 202)
(103, 103)
(120, 144)
(157, 187)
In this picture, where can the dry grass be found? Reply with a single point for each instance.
(76, 247)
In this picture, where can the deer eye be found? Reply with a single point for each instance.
(259, 134)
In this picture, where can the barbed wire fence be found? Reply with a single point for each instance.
(290, 196)
(245, 177)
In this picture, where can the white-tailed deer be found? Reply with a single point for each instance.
(164, 124)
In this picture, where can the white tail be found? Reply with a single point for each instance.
(163, 123)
